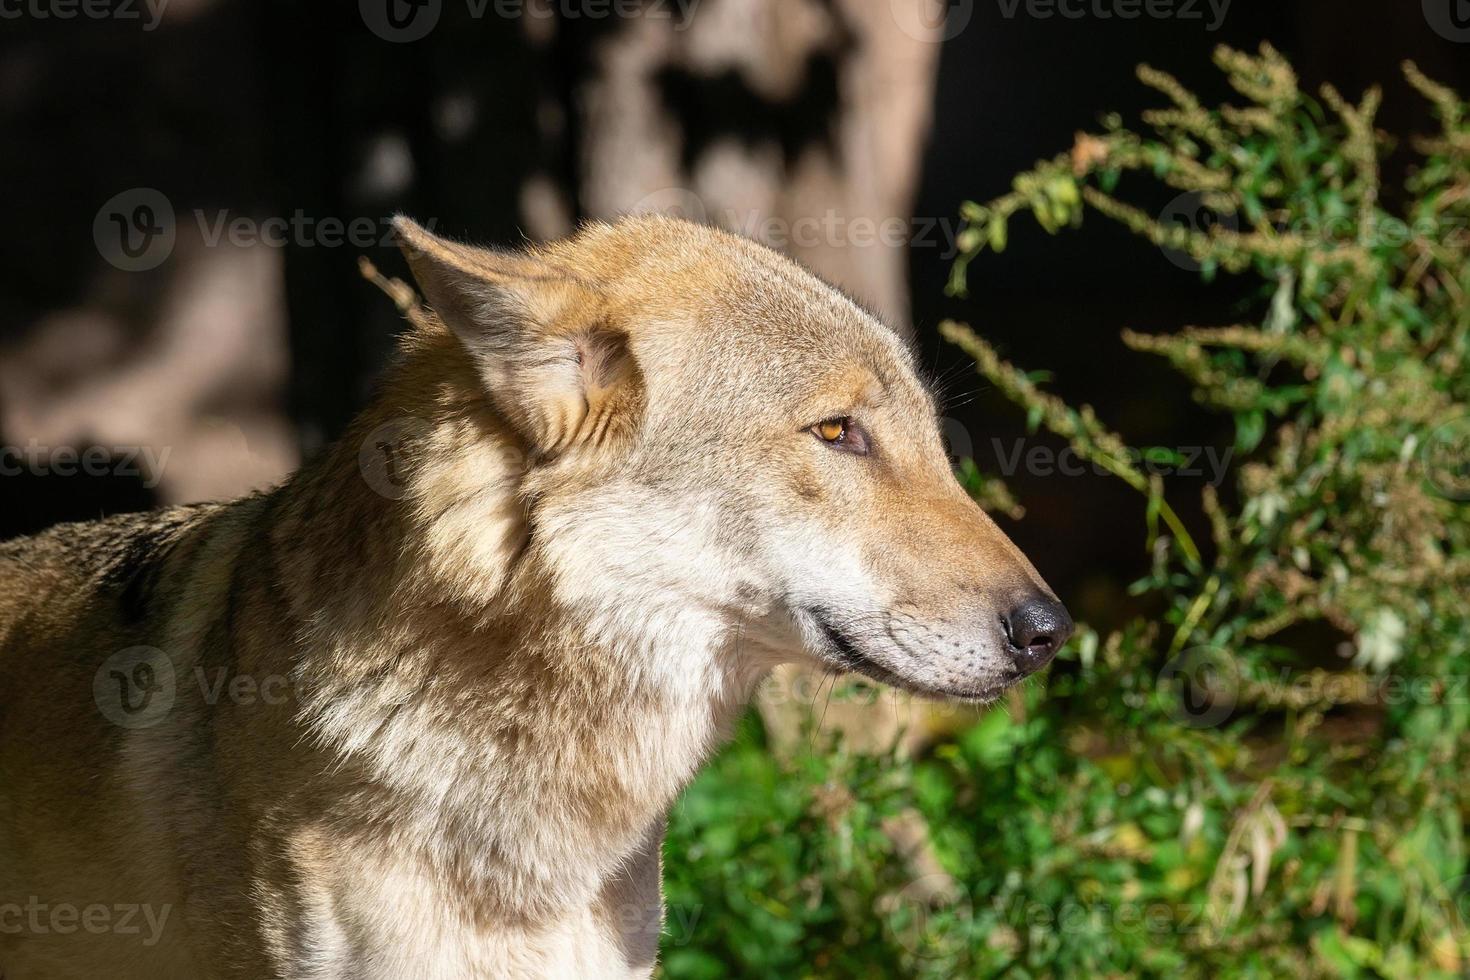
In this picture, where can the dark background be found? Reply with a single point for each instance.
(263, 108)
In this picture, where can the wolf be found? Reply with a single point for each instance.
(420, 711)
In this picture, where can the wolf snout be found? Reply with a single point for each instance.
(1035, 631)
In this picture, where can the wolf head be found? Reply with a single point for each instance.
(710, 438)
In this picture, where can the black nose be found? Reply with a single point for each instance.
(1036, 630)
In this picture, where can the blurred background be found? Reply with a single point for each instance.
(190, 184)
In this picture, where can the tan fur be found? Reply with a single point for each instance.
(480, 685)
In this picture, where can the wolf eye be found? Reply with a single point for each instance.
(842, 433)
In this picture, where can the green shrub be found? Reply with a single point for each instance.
(1195, 793)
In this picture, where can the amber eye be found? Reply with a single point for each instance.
(842, 433)
(832, 430)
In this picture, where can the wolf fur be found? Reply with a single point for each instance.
(420, 711)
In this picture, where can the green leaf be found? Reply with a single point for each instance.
(997, 233)
(991, 742)
(692, 964)
(1250, 429)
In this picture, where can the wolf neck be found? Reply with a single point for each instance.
(531, 721)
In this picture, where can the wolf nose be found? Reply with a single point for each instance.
(1036, 630)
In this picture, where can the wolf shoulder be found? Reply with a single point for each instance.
(109, 576)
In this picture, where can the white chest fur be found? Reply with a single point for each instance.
(389, 917)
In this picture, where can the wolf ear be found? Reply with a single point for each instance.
(552, 367)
